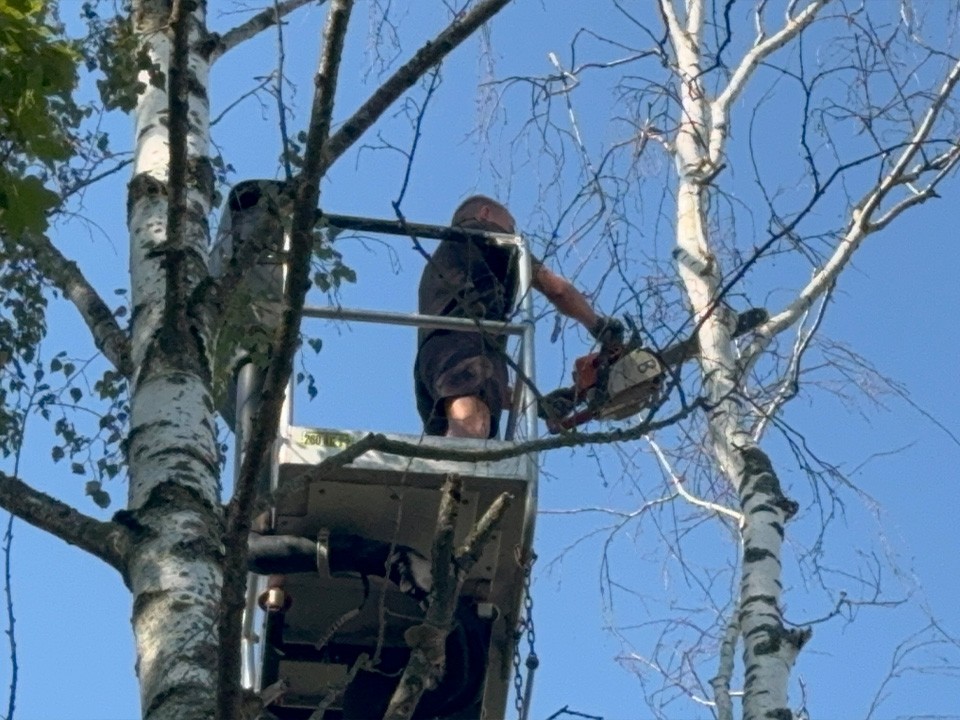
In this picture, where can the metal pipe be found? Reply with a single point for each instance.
(247, 385)
(412, 229)
(429, 322)
(529, 399)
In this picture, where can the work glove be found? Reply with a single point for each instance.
(609, 332)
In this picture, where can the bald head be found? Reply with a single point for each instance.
(486, 211)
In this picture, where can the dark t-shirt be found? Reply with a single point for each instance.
(469, 279)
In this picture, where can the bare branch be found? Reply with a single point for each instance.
(469, 553)
(108, 541)
(670, 19)
(720, 108)
(178, 128)
(307, 188)
(11, 619)
(790, 383)
(379, 442)
(677, 483)
(406, 76)
(428, 640)
(219, 45)
(860, 225)
(725, 667)
(108, 336)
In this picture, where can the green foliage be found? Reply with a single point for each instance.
(112, 48)
(329, 270)
(92, 449)
(22, 326)
(37, 113)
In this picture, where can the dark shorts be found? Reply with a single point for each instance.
(454, 364)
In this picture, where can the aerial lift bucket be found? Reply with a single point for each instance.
(315, 629)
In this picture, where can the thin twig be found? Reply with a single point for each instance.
(253, 91)
(677, 483)
(565, 710)
(11, 619)
(417, 132)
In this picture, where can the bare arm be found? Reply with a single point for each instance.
(564, 296)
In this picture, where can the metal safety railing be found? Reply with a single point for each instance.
(524, 400)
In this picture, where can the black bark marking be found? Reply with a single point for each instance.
(779, 714)
(755, 554)
(193, 695)
(198, 547)
(757, 466)
(145, 599)
(169, 493)
(131, 437)
(141, 186)
(777, 636)
(196, 88)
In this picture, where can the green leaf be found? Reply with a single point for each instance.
(100, 496)
(76, 394)
(77, 469)
(24, 203)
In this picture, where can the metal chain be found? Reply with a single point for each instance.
(522, 696)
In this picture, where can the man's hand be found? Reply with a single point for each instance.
(609, 332)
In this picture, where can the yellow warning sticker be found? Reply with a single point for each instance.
(326, 438)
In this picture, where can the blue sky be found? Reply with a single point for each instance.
(896, 307)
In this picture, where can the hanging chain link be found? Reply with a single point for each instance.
(523, 695)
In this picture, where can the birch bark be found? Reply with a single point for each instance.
(174, 563)
(769, 648)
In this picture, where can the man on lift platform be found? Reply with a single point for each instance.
(460, 377)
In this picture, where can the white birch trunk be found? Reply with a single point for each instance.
(174, 570)
(769, 649)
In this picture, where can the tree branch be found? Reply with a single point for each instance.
(108, 336)
(11, 618)
(178, 127)
(381, 443)
(860, 225)
(725, 667)
(677, 483)
(108, 541)
(218, 45)
(433, 52)
(307, 188)
(720, 108)
(428, 640)
(789, 384)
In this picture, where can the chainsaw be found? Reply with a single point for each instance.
(617, 382)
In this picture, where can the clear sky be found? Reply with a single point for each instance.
(896, 307)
